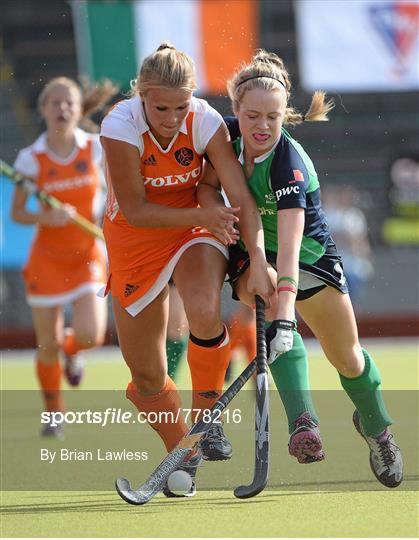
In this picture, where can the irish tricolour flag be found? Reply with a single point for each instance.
(114, 36)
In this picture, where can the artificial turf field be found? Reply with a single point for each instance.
(302, 506)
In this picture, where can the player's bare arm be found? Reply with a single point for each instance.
(209, 195)
(50, 217)
(209, 187)
(232, 179)
(292, 221)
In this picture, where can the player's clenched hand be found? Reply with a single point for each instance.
(57, 217)
(279, 338)
(259, 283)
(220, 220)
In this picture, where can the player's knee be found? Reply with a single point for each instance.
(201, 300)
(352, 362)
(204, 315)
(88, 339)
(149, 381)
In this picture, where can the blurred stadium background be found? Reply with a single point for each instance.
(364, 54)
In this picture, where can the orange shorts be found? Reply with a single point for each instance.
(57, 278)
(138, 285)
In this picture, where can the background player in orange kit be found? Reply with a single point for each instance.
(154, 145)
(242, 329)
(66, 264)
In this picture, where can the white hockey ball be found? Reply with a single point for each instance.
(179, 482)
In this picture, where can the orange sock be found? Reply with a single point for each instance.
(167, 400)
(208, 367)
(49, 376)
(70, 345)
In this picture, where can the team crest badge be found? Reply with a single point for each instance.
(184, 156)
(81, 166)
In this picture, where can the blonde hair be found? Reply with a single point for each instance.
(93, 97)
(267, 71)
(168, 68)
(53, 84)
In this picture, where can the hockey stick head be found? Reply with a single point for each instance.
(260, 475)
(261, 470)
(256, 487)
(123, 487)
(156, 481)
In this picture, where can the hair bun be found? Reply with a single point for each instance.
(263, 57)
(166, 45)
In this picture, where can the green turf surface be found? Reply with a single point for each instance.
(213, 514)
(397, 360)
(308, 508)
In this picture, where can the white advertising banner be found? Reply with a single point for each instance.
(358, 45)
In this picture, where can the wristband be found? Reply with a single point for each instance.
(284, 288)
(287, 278)
(285, 325)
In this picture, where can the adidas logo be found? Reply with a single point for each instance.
(129, 289)
(150, 160)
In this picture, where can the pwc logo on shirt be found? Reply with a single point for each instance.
(283, 192)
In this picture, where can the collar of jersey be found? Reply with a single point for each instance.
(41, 146)
(258, 159)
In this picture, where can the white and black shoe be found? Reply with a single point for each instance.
(385, 457)
(190, 467)
(214, 444)
(74, 369)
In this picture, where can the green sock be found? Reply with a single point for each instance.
(290, 373)
(365, 393)
(174, 353)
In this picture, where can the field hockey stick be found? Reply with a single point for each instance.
(29, 186)
(260, 475)
(157, 480)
